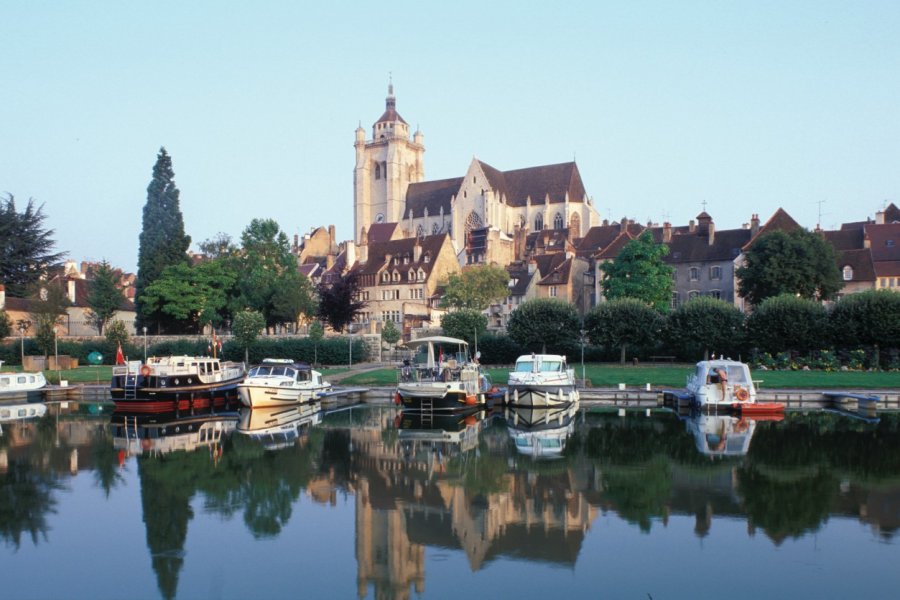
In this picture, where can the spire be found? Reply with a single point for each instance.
(390, 103)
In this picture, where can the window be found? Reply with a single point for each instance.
(674, 303)
(575, 225)
(693, 294)
(717, 294)
(715, 273)
(539, 222)
(695, 273)
(411, 276)
(553, 291)
(377, 171)
(396, 276)
(434, 229)
(421, 275)
(427, 258)
(385, 277)
(848, 273)
(473, 221)
(420, 231)
(558, 221)
(889, 243)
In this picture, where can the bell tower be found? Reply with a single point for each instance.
(385, 166)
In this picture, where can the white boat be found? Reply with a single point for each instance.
(278, 427)
(541, 432)
(20, 384)
(721, 382)
(281, 382)
(441, 381)
(541, 380)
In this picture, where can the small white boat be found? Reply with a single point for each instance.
(20, 384)
(721, 382)
(436, 381)
(281, 382)
(542, 380)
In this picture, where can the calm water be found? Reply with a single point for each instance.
(371, 503)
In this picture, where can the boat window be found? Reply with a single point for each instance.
(260, 371)
(524, 366)
(550, 443)
(523, 442)
(278, 371)
(4, 381)
(303, 376)
(736, 374)
(21, 379)
(550, 366)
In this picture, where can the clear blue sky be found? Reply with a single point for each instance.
(745, 105)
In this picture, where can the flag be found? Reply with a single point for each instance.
(120, 358)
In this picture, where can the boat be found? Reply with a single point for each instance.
(429, 439)
(278, 427)
(541, 432)
(435, 381)
(163, 434)
(22, 385)
(173, 383)
(281, 382)
(721, 383)
(541, 380)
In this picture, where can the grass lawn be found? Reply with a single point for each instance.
(378, 377)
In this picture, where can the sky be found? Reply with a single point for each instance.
(667, 107)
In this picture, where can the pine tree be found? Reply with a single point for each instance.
(163, 242)
(25, 246)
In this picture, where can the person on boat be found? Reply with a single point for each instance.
(723, 379)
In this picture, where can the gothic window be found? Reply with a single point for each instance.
(539, 222)
(434, 229)
(575, 225)
(377, 171)
(420, 231)
(848, 273)
(522, 220)
(558, 221)
(473, 221)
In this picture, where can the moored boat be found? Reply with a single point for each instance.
(172, 383)
(541, 380)
(721, 382)
(22, 385)
(281, 382)
(439, 381)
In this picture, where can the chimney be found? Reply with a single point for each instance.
(692, 227)
(532, 266)
(71, 290)
(879, 217)
(331, 234)
(2, 297)
(711, 232)
(417, 251)
(667, 233)
(350, 249)
(329, 261)
(296, 242)
(754, 224)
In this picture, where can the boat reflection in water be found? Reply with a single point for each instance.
(161, 434)
(439, 433)
(723, 435)
(541, 432)
(279, 427)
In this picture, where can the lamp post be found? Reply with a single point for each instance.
(145, 343)
(22, 325)
(583, 333)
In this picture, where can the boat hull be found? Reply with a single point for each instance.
(160, 400)
(542, 396)
(261, 396)
(438, 398)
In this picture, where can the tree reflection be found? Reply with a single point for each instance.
(26, 498)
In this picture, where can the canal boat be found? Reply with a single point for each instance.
(21, 385)
(721, 383)
(541, 380)
(280, 426)
(541, 432)
(281, 382)
(173, 383)
(439, 381)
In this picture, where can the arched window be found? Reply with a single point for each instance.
(377, 171)
(420, 231)
(575, 225)
(473, 221)
(434, 228)
(695, 273)
(848, 273)
(539, 222)
(558, 221)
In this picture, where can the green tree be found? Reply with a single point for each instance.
(788, 323)
(544, 323)
(293, 298)
(192, 297)
(48, 306)
(5, 325)
(390, 334)
(220, 246)
(705, 325)
(117, 333)
(870, 318)
(466, 324)
(799, 262)
(639, 272)
(316, 332)
(623, 323)
(476, 287)
(265, 259)
(104, 297)
(162, 242)
(25, 246)
(339, 301)
(246, 328)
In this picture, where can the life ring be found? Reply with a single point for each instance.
(145, 371)
(742, 394)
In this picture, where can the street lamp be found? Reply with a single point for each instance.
(350, 346)
(22, 325)
(583, 333)
(145, 343)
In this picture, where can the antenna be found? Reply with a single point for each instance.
(666, 216)
(819, 221)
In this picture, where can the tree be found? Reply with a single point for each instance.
(192, 297)
(104, 297)
(265, 261)
(293, 298)
(339, 301)
(316, 333)
(117, 333)
(246, 327)
(48, 306)
(544, 323)
(639, 272)
(623, 323)
(162, 242)
(786, 322)
(466, 324)
(5, 325)
(800, 262)
(25, 246)
(705, 325)
(220, 246)
(390, 334)
(870, 318)
(476, 287)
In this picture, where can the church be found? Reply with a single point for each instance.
(487, 213)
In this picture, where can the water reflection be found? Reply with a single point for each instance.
(459, 483)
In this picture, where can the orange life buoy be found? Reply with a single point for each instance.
(145, 371)
(742, 394)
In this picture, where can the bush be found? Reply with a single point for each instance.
(704, 326)
(870, 318)
(622, 324)
(789, 323)
(499, 349)
(545, 325)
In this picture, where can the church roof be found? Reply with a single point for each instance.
(390, 114)
(380, 232)
(433, 195)
(537, 183)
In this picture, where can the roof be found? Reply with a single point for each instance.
(553, 269)
(888, 268)
(727, 245)
(779, 221)
(390, 109)
(437, 339)
(884, 240)
(860, 260)
(380, 232)
(845, 239)
(600, 236)
(433, 195)
(381, 257)
(613, 248)
(520, 278)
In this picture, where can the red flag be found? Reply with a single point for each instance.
(120, 358)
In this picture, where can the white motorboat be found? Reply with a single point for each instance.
(721, 382)
(281, 382)
(541, 380)
(441, 381)
(20, 384)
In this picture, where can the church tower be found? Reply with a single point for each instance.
(385, 166)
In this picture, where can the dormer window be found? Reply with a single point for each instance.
(427, 258)
(406, 259)
(411, 276)
(848, 273)
(396, 276)
(421, 275)
(385, 277)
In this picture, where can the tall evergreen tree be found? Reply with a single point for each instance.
(25, 246)
(163, 242)
(104, 297)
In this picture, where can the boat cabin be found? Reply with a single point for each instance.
(282, 368)
(541, 363)
(439, 358)
(712, 372)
